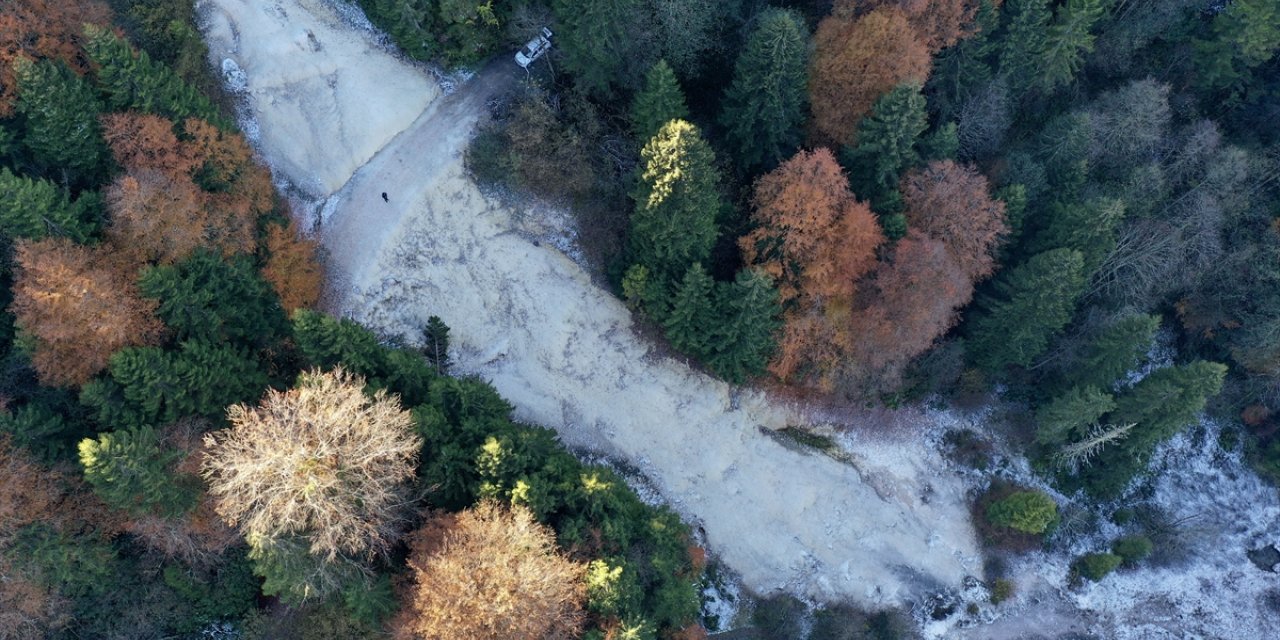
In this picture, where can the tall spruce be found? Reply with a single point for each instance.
(660, 102)
(214, 298)
(765, 107)
(60, 112)
(1031, 303)
(36, 209)
(745, 336)
(1165, 402)
(130, 471)
(1071, 414)
(1116, 351)
(691, 321)
(606, 44)
(677, 201)
(435, 344)
(886, 146)
(1087, 226)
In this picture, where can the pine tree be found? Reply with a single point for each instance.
(435, 344)
(764, 108)
(1088, 227)
(1031, 303)
(1025, 511)
(690, 323)
(1246, 33)
(1023, 41)
(744, 338)
(130, 471)
(327, 342)
(959, 70)
(213, 298)
(660, 102)
(1166, 401)
(1068, 39)
(36, 209)
(133, 81)
(1116, 351)
(886, 145)
(60, 112)
(677, 201)
(1071, 413)
(606, 44)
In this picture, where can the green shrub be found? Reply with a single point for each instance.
(1133, 549)
(1001, 589)
(1025, 511)
(1096, 566)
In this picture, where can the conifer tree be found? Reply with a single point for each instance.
(327, 342)
(1068, 39)
(744, 339)
(130, 470)
(690, 323)
(218, 299)
(133, 81)
(607, 44)
(764, 108)
(435, 344)
(1031, 303)
(886, 146)
(1116, 351)
(677, 201)
(1166, 401)
(36, 209)
(659, 102)
(1071, 414)
(1246, 33)
(60, 112)
(1024, 38)
(1088, 227)
(960, 69)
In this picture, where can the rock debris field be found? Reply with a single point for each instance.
(342, 120)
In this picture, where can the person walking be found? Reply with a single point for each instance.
(384, 197)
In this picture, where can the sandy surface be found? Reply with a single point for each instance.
(523, 315)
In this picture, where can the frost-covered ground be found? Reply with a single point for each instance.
(344, 121)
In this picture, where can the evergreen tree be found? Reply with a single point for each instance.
(60, 112)
(744, 337)
(959, 70)
(435, 344)
(886, 146)
(149, 386)
(1030, 512)
(1023, 41)
(1088, 227)
(690, 323)
(660, 102)
(36, 427)
(1116, 351)
(1071, 414)
(326, 342)
(1066, 41)
(606, 44)
(36, 209)
(218, 299)
(677, 201)
(1031, 303)
(764, 108)
(130, 471)
(1166, 401)
(133, 81)
(1246, 33)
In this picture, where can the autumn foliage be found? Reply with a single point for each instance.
(950, 202)
(80, 305)
(491, 573)
(43, 29)
(938, 23)
(293, 268)
(816, 240)
(855, 61)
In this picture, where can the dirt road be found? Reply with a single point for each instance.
(527, 318)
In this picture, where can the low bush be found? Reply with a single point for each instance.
(1096, 566)
(1132, 549)
(1025, 512)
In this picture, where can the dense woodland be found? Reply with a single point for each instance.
(866, 201)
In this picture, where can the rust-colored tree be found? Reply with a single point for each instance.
(80, 305)
(491, 573)
(240, 188)
(156, 216)
(951, 203)
(816, 240)
(939, 23)
(43, 29)
(144, 141)
(909, 302)
(855, 61)
(293, 268)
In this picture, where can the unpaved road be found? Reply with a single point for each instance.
(560, 349)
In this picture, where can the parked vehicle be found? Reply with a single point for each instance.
(534, 49)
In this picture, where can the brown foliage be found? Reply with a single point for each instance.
(492, 573)
(321, 460)
(855, 61)
(909, 302)
(27, 491)
(159, 212)
(950, 202)
(28, 608)
(816, 240)
(939, 23)
(293, 267)
(43, 29)
(81, 305)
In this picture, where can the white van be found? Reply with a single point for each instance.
(534, 49)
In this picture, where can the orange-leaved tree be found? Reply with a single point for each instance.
(293, 268)
(951, 203)
(43, 29)
(910, 301)
(79, 305)
(938, 23)
(855, 61)
(491, 573)
(816, 240)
